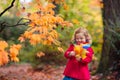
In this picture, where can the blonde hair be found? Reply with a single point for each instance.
(85, 33)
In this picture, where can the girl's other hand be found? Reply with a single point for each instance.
(72, 53)
(78, 58)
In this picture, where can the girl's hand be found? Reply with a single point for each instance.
(72, 53)
(78, 58)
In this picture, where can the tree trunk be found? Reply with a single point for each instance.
(111, 40)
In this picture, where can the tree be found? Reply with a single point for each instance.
(109, 61)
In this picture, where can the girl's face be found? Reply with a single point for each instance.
(80, 38)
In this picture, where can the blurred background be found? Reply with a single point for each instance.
(81, 13)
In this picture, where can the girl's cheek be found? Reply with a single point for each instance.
(83, 41)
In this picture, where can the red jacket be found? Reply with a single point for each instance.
(78, 69)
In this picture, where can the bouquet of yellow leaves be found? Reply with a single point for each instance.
(80, 50)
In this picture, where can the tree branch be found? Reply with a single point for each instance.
(3, 25)
(12, 4)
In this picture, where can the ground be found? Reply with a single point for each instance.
(26, 72)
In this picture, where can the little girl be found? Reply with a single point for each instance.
(77, 67)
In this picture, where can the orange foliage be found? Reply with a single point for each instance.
(42, 26)
(13, 52)
(3, 53)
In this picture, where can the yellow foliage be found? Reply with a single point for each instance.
(80, 51)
